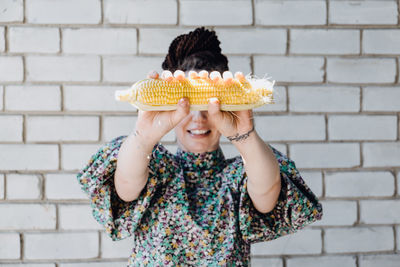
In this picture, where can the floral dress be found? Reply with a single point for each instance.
(195, 209)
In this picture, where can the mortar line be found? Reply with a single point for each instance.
(327, 12)
(24, 12)
(178, 12)
(22, 239)
(102, 12)
(253, 13)
(101, 118)
(5, 186)
(361, 42)
(60, 35)
(6, 39)
(101, 69)
(287, 42)
(24, 119)
(57, 217)
(137, 40)
(360, 108)
(43, 186)
(396, 78)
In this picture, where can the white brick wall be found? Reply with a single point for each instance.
(336, 64)
(363, 12)
(359, 239)
(13, 248)
(30, 40)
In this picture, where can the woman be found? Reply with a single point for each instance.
(196, 208)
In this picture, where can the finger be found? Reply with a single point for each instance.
(182, 111)
(152, 75)
(214, 110)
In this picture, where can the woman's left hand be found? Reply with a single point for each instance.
(229, 123)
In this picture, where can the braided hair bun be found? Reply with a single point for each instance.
(196, 50)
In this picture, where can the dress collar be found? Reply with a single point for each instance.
(205, 160)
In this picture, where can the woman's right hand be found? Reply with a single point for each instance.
(153, 125)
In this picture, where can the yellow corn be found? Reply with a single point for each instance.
(236, 93)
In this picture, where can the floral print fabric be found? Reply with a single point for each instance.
(194, 209)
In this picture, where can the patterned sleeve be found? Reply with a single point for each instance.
(119, 218)
(297, 206)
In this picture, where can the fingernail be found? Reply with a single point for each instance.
(214, 100)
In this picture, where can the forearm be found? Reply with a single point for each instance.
(132, 167)
(262, 169)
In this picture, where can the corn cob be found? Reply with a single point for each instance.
(234, 93)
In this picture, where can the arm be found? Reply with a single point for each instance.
(132, 171)
(262, 169)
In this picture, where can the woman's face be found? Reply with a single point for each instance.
(195, 134)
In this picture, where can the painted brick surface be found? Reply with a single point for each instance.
(336, 67)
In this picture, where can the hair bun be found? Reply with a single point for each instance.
(193, 50)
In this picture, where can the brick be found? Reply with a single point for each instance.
(63, 68)
(325, 155)
(12, 11)
(114, 126)
(324, 99)
(381, 42)
(141, 12)
(63, 11)
(230, 151)
(385, 127)
(28, 157)
(23, 186)
(27, 216)
(290, 12)
(129, 69)
(63, 128)
(75, 156)
(361, 70)
(380, 211)
(358, 239)
(306, 241)
(2, 186)
(157, 40)
(252, 41)
(209, 12)
(379, 260)
(69, 213)
(94, 98)
(32, 98)
(327, 42)
(290, 69)
(112, 249)
(239, 63)
(13, 248)
(275, 262)
(314, 180)
(338, 213)
(94, 264)
(278, 128)
(61, 186)
(381, 154)
(99, 41)
(363, 12)
(381, 99)
(326, 261)
(2, 40)
(33, 40)
(359, 184)
(11, 69)
(82, 245)
(11, 126)
(280, 99)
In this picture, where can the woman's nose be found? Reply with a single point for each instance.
(198, 115)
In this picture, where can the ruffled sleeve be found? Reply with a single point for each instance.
(297, 205)
(119, 218)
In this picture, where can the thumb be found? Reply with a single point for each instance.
(181, 112)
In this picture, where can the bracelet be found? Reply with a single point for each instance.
(238, 137)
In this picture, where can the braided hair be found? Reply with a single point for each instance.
(196, 50)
